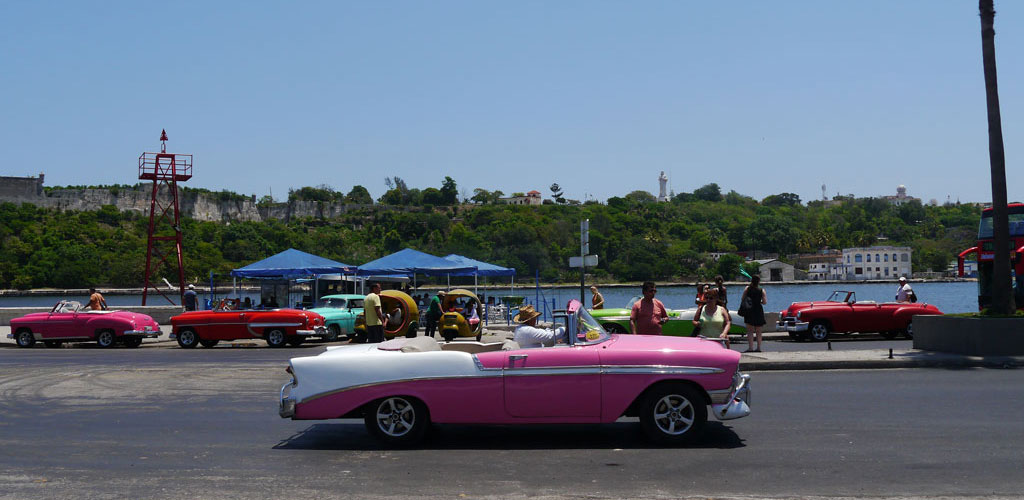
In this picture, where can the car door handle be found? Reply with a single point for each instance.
(516, 357)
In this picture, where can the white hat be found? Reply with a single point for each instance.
(191, 287)
(903, 278)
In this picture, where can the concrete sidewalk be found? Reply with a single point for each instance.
(867, 358)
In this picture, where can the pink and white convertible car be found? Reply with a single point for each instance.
(399, 387)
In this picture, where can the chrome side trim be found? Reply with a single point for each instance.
(553, 370)
(660, 370)
(268, 325)
(386, 382)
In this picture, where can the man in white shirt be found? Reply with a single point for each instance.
(904, 292)
(527, 334)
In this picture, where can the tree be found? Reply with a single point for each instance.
(708, 192)
(781, 200)
(1002, 294)
(729, 266)
(359, 195)
(449, 192)
(480, 196)
(556, 193)
(641, 196)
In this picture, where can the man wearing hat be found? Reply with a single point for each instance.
(434, 313)
(527, 334)
(904, 292)
(191, 299)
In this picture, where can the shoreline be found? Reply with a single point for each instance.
(220, 289)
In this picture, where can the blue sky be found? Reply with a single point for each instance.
(598, 96)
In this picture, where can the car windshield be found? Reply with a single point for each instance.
(334, 303)
(842, 296)
(588, 330)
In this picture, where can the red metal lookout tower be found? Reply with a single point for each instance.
(165, 170)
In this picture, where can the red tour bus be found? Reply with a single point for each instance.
(985, 248)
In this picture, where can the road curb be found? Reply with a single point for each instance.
(863, 364)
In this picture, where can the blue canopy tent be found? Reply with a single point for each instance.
(290, 264)
(482, 269)
(409, 262)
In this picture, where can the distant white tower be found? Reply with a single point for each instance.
(662, 180)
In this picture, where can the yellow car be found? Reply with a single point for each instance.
(405, 321)
(462, 315)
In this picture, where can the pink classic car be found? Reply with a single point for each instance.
(67, 321)
(400, 386)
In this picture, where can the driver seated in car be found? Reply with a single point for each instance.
(527, 334)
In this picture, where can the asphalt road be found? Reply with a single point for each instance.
(86, 423)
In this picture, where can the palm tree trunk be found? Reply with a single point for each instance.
(1002, 296)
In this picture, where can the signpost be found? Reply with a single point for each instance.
(584, 259)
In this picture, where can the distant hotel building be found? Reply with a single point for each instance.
(531, 198)
(883, 262)
(901, 196)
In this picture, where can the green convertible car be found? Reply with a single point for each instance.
(339, 312)
(679, 324)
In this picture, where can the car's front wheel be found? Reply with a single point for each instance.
(673, 414)
(187, 338)
(276, 338)
(333, 332)
(25, 338)
(908, 332)
(397, 420)
(106, 338)
(819, 331)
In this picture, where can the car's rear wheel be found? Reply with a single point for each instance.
(25, 338)
(53, 343)
(397, 420)
(106, 339)
(449, 335)
(908, 332)
(208, 342)
(673, 414)
(132, 341)
(614, 328)
(187, 338)
(276, 338)
(819, 331)
(333, 332)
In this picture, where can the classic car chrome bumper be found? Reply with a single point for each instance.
(146, 333)
(738, 402)
(792, 325)
(286, 407)
(320, 330)
(10, 335)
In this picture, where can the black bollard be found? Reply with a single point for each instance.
(890, 353)
(830, 345)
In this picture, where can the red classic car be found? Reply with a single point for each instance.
(843, 313)
(226, 322)
(67, 321)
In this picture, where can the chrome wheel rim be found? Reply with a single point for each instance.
(395, 417)
(105, 338)
(819, 331)
(275, 337)
(24, 338)
(187, 337)
(674, 415)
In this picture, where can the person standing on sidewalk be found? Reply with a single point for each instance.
(723, 297)
(648, 313)
(191, 299)
(374, 315)
(96, 301)
(754, 297)
(712, 318)
(434, 313)
(596, 300)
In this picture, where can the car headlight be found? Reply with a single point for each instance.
(798, 314)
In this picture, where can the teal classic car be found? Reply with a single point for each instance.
(339, 312)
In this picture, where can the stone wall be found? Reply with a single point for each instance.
(196, 205)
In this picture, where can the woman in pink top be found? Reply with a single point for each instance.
(648, 313)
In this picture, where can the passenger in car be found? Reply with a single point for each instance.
(527, 334)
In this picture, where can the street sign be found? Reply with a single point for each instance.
(589, 260)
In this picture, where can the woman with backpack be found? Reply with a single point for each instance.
(752, 309)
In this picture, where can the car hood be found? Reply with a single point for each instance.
(672, 351)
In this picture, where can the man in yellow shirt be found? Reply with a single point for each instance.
(374, 314)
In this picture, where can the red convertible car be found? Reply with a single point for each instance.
(843, 313)
(226, 322)
(67, 321)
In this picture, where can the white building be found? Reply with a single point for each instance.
(825, 271)
(876, 263)
(531, 198)
(775, 270)
(901, 196)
